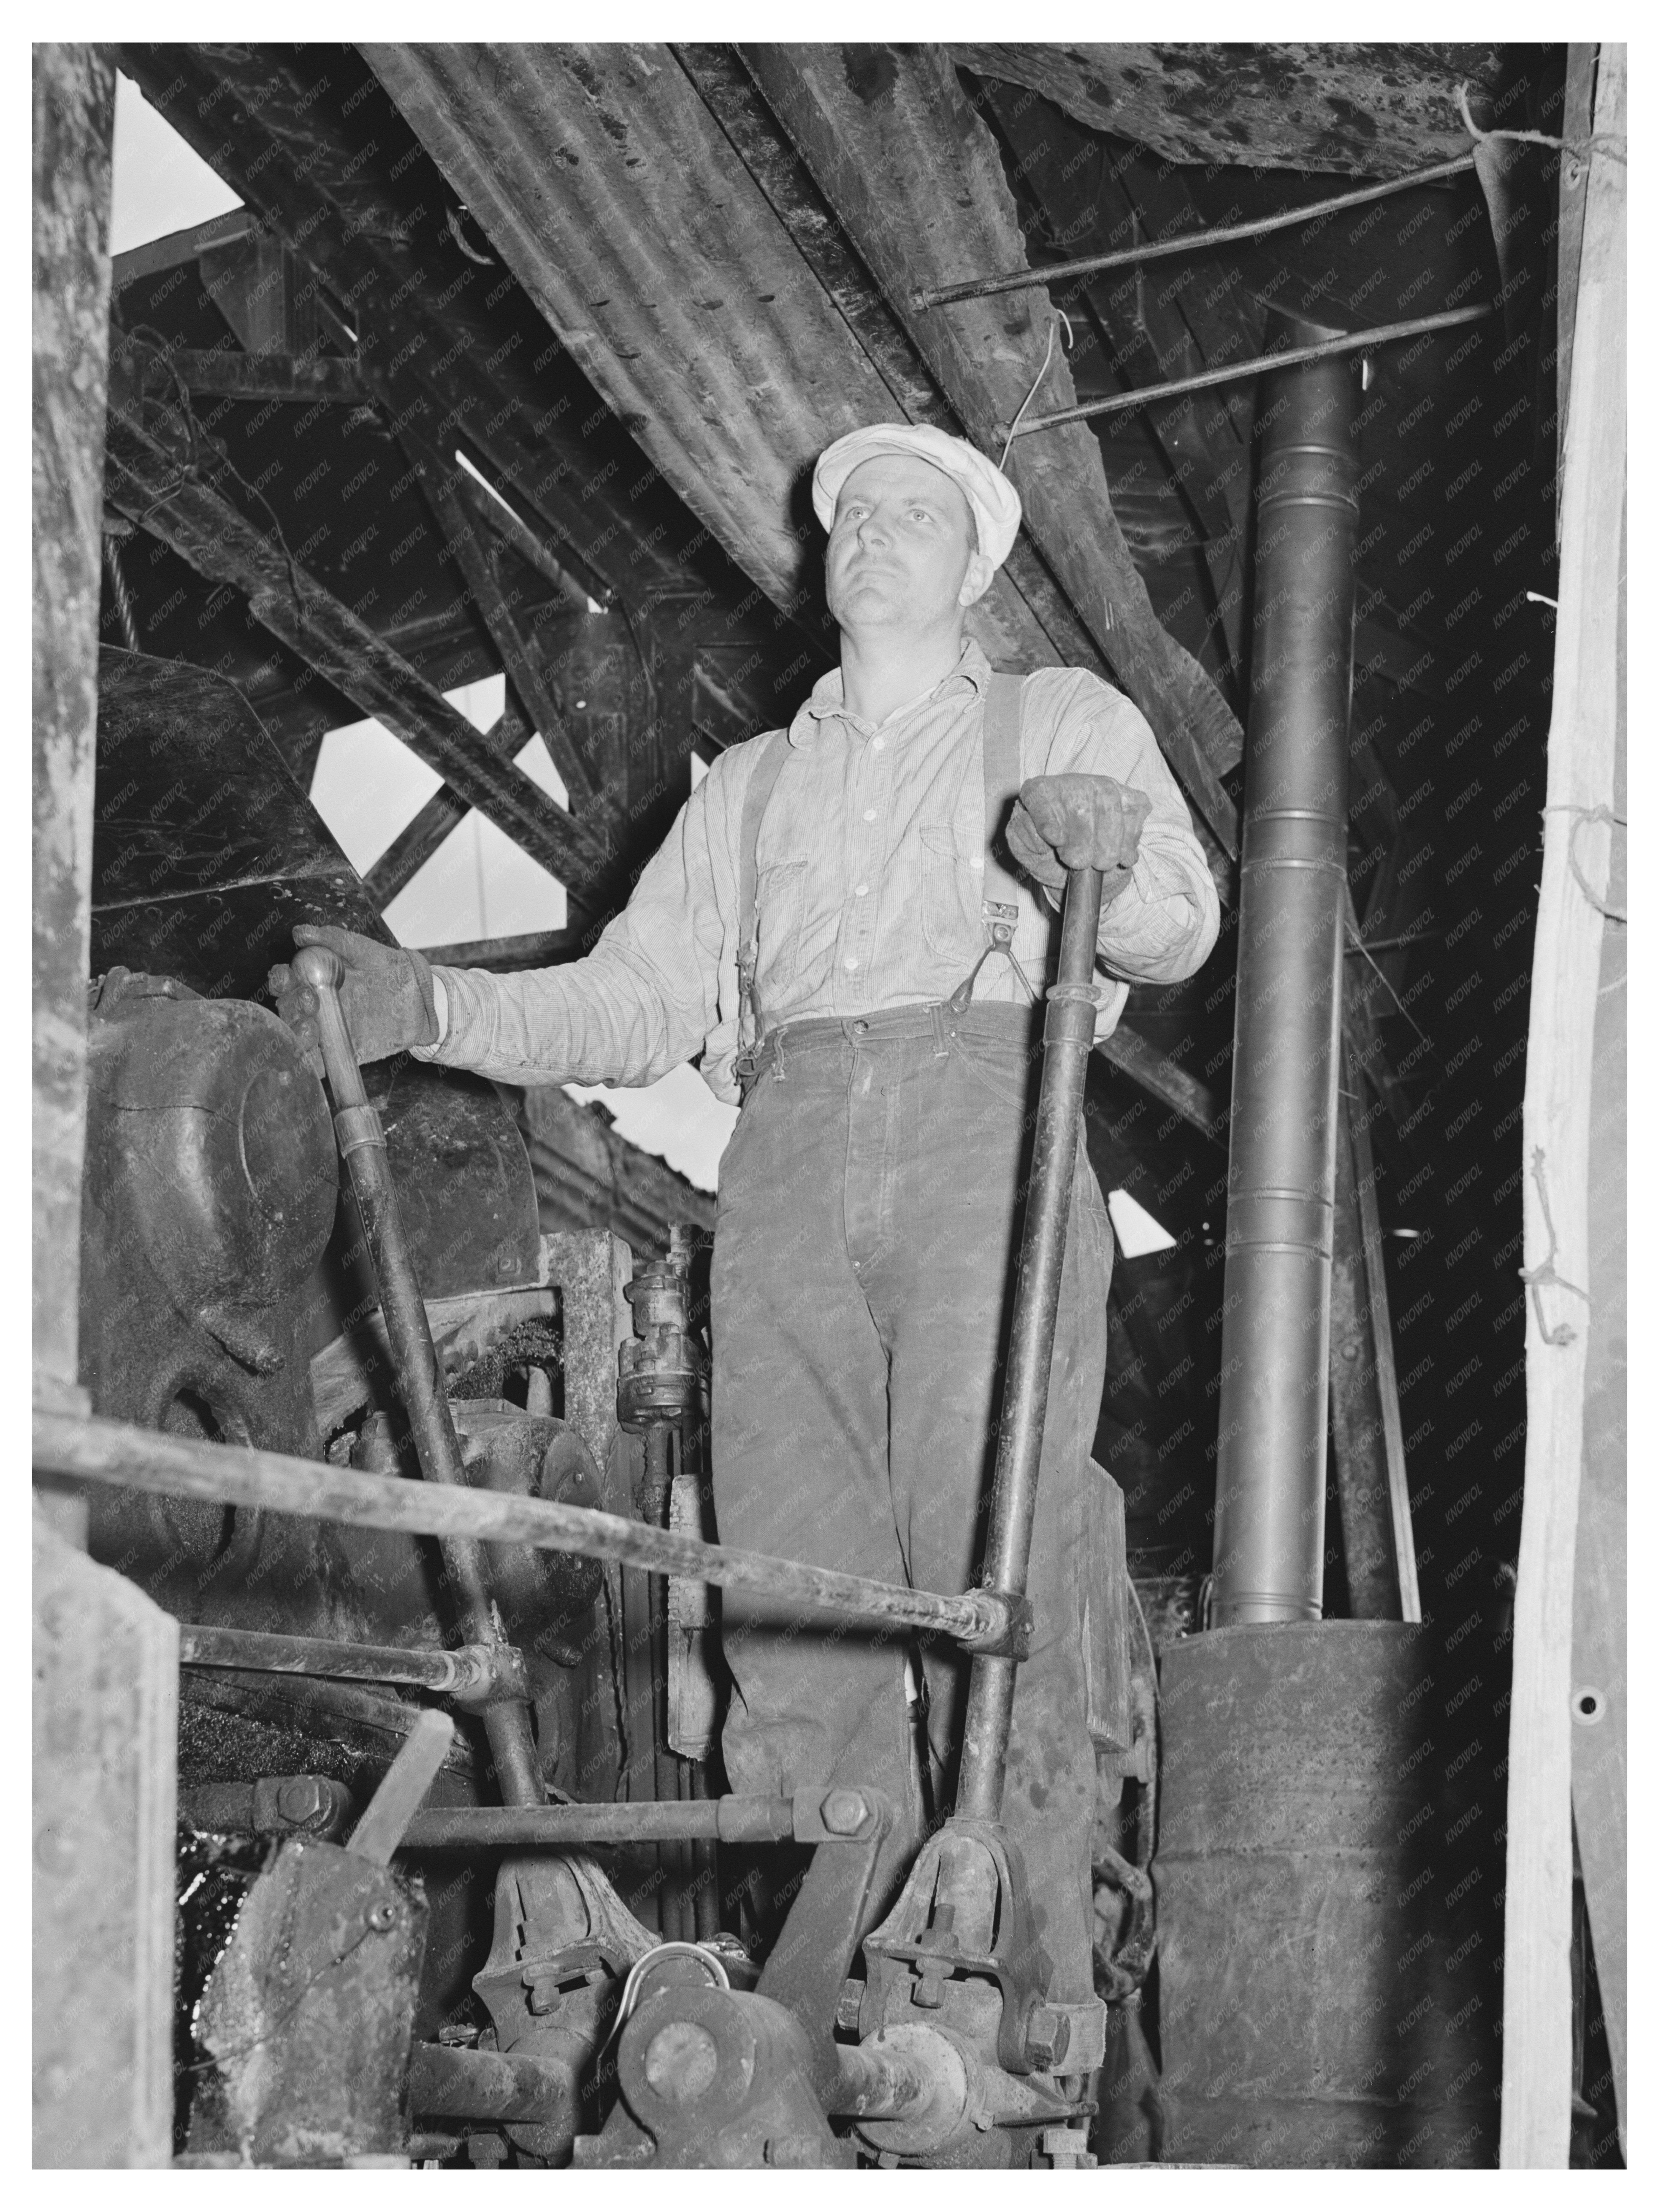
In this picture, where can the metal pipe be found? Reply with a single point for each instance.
(877, 2081)
(471, 1674)
(550, 1827)
(1122, 403)
(93, 1449)
(1275, 1337)
(1067, 1039)
(447, 2082)
(409, 1333)
(1090, 265)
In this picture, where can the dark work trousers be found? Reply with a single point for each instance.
(871, 1200)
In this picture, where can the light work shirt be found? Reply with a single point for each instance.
(870, 891)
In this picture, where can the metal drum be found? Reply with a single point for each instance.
(1327, 1875)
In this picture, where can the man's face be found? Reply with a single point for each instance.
(901, 555)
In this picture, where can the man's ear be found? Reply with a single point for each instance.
(977, 582)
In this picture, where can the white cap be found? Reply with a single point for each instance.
(993, 500)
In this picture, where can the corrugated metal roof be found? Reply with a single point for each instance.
(611, 192)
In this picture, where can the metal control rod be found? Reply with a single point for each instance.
(420, 1378)
(93, 1449)
(531, 1827)
(1189, 241)
(471, 1675)
(1067, 1039)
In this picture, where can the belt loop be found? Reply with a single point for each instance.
(779, 1073)
(941, 1047)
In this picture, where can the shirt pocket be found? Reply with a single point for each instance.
(952, 898)
(780, 912)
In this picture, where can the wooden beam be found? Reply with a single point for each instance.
(439, 357)
(232, 375)
(913, 177)
(1555, 1136)
(1164, 1080)
(74, 95)
(1601, 1596)
(415, 844)
(106, 1740)
(156, 491)
(158, 255)
(1374, 110)
(523, 540)
(103, 1661)
(730, 95)
(506, 955)
(1578, 103)
(473, 558)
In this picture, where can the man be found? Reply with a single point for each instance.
(821, 925)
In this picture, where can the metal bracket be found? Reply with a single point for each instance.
(1010, 1637)
(815, 1950)
(918, 1947)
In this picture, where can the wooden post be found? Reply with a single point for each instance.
(74, 115)
(105, 1674)
(1566, 963)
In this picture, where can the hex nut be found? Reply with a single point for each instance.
(1047, 2037)
(843, 1812)
(300, 1798)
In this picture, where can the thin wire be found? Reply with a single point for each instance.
(1048, 356)
(1613, 143)
(630, 1992)
(1357, 944)
(1582, 814)
(1535, 1277)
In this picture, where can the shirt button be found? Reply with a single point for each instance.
(869, 813)
(860, 890)
(849, 963)
(876, 745)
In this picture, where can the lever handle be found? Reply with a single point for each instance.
(403, 1791)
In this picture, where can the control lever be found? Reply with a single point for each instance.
(420, 1379)
(403, 1791)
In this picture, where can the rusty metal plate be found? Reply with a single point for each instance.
(302, 2034)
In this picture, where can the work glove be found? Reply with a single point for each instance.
(386, 996)
(1064, 822)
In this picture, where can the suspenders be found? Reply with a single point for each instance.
(1002, 781)
(1001, 898)
(774, 748)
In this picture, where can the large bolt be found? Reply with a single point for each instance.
(844, 1812)
(681, 2061)
(1047, 2036)
(301, 1801)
